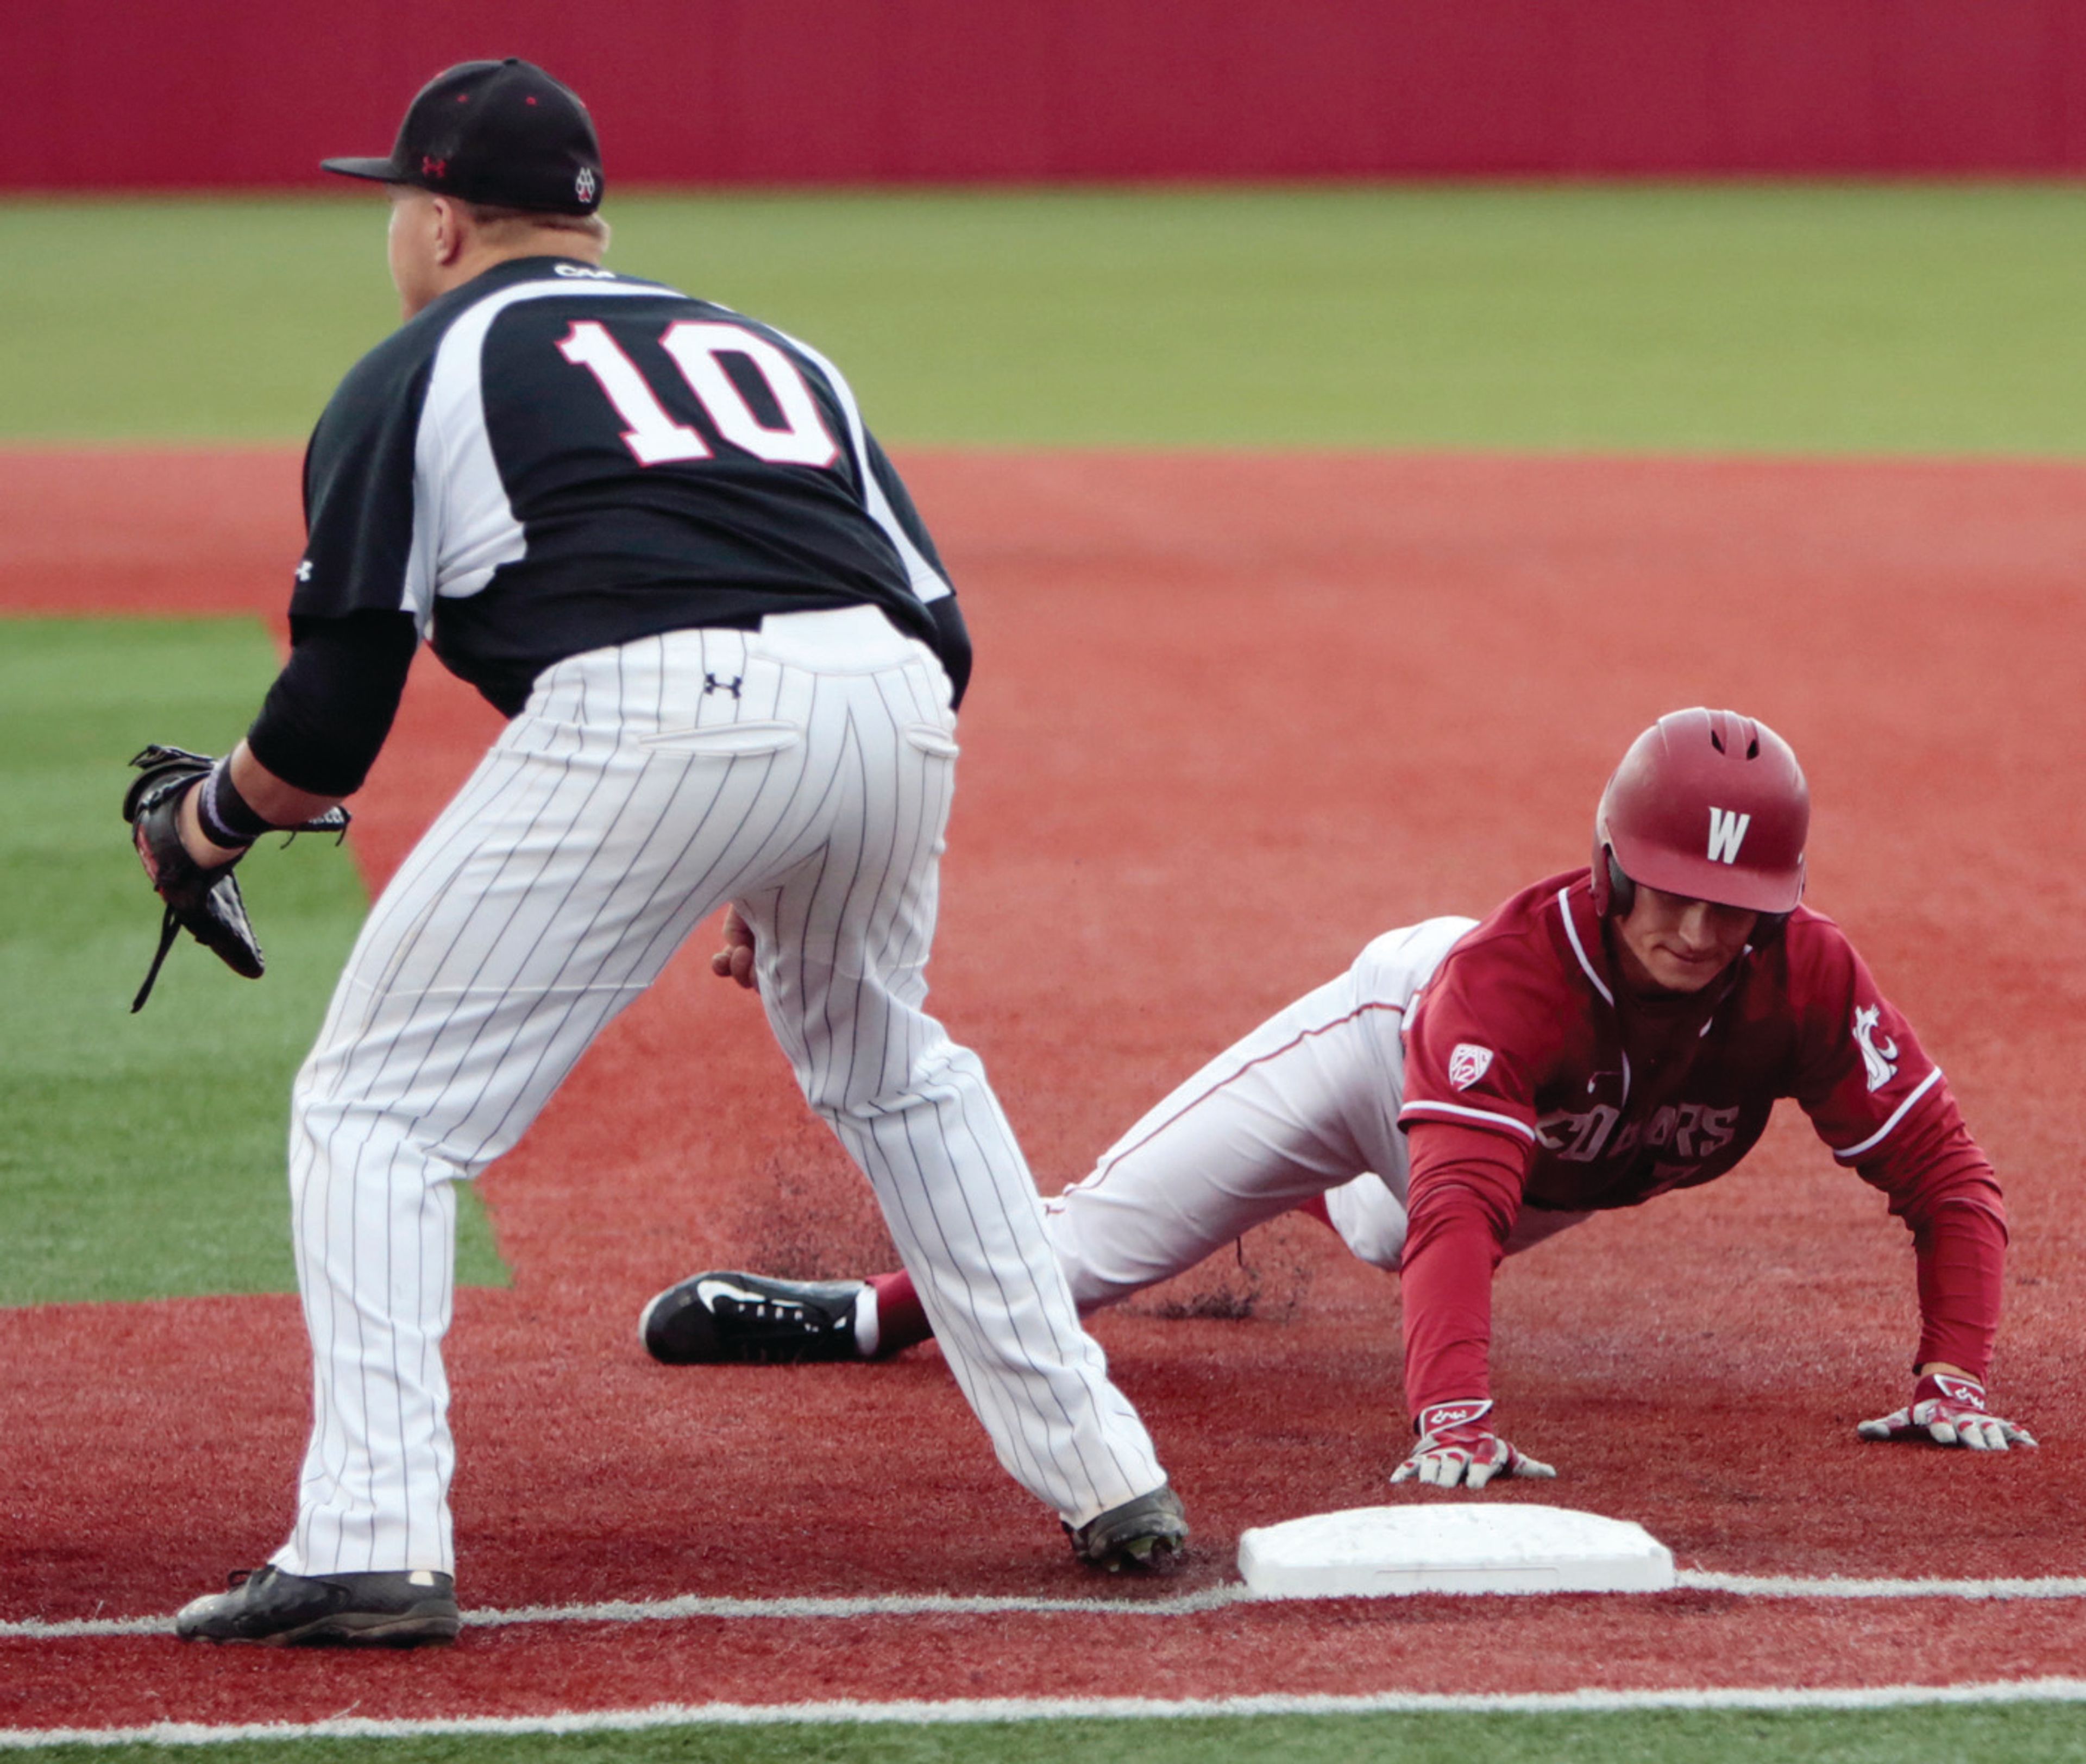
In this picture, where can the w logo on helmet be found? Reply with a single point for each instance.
(1727, 832)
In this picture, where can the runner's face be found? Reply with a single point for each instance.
(1679, 945)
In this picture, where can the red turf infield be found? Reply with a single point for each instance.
(1233, 716)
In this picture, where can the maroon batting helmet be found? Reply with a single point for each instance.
(1708, 804)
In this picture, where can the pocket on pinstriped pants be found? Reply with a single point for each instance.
(724, 740)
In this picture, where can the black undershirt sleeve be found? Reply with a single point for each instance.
(326, 716)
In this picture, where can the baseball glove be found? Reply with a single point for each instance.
(203, 899)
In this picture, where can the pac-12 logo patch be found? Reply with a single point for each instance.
(1878, 1052)
(1467, 1063)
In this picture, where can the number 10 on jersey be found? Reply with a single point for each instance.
(651, 432)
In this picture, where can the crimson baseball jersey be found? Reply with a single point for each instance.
(1535, 1078)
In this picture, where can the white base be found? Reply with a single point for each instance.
(1370, 1552)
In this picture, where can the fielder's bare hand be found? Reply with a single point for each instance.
(1948, 1408)
(734, 961)
(1456, 1446)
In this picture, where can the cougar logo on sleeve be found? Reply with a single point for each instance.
(1878, 1052)
(1468, 1063)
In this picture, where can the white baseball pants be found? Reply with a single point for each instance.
(803, 771)
(1305, 1105)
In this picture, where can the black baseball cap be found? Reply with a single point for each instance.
(501, 132)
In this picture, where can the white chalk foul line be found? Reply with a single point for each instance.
(1833, 1587)
(680, 1610)
(731, 1714)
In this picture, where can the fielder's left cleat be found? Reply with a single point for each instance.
(726, 1319)
(1139, 1534)
(406, 1608)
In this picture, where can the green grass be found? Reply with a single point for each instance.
(2004, 1734)
(144, 1155)
(1787, 318)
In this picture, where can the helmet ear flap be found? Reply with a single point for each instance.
(1613, 890)
(1770, 925)
(1620, 890)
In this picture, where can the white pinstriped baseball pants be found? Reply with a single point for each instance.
(803, 771)
(1304, 1106)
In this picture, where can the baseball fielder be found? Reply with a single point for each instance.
(1466, 1090)
(656, 534)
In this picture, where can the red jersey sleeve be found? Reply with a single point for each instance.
(1477, 1048)
(1479, 1040)
(1464, 1197)
(1884, 1107)
(1861, 1071)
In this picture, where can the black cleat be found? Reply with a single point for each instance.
(726, 1319)
(1139, 1534)
(399, 1610)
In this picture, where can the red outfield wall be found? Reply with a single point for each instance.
(117, 93)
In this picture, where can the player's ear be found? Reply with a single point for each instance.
(452, 229)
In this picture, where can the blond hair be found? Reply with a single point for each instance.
(500, 224)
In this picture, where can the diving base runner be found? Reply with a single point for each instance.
(1466, 1090)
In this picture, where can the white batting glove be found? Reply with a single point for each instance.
(1457, 1447)
(1950, 1410)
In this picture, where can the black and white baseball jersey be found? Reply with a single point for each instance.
(555, 458)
